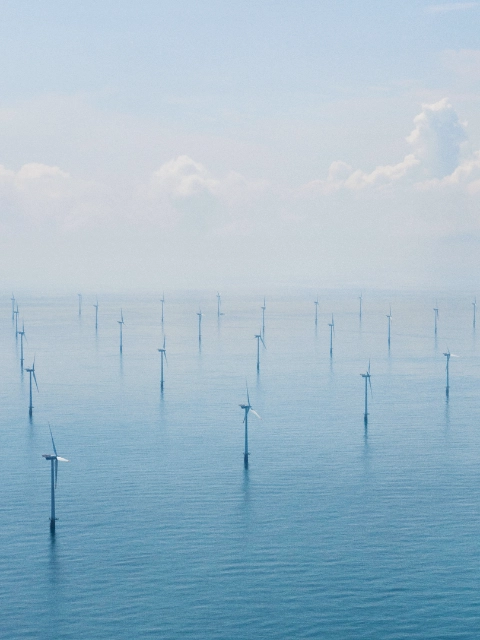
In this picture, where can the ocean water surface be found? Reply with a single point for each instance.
(334, 531)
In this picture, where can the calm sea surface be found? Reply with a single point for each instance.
(334, 531)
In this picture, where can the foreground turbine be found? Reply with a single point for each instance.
(54, 459)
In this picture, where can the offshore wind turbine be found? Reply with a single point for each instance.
(360, 306)
(163, 303)
(13, 306)
(264, 306)
(247, 407)
(163, 354)
(15, 313)
(366, 376)
(96, 315)
(435, 310)
(79, 304)
(199, 314)
(54, 460)
(448, 355)
(332, 331)
(259, 338)
(389, 316)
(121, 323)
(22, 336)
(474, 303)
(219, 302)
(31, 372)
(315, 302)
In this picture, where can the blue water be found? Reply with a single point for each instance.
(334, 531)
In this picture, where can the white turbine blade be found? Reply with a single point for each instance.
(35, 379)
(56, 471)
(62, 459)
(248, 396)
(368, 367)
(453, 355)
(53, 442)
(255, 414)
(263, 342)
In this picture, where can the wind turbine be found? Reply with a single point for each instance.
(448, 355)
(96, 315)
(121, 323)
(79, 304)
(163, 354)
(332, 331)
(22, 336)
(259, 338)
(16, 320)
(163, 303)
(247, 407)
(435, 310)
(13, 306)
(474, 303)
(54, 459)
(368, 383)
(315, 302)
(219, 301)
(31, 373)
(199, 314)
(360, 308)
(263, 316)
(389, 316)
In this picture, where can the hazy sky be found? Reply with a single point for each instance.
(182, 143)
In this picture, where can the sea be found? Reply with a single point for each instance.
(336, 529)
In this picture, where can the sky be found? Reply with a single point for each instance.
(186, 144)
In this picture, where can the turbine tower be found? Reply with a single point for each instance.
(79, 304)
(219, 300)
(163, 303)
(163, 354)
(368, 383)
(389, 316)
(54, 460)
(435, 310)
(31, 373)
(263, 316)
(22, 336)
(199, 314)
(259, 339)
(96, 315)
(360, 307)
(332, 331)
(121, 323)
(474, 303)
(315, 302)
(247, 407)
(15, 313)
(448, 355)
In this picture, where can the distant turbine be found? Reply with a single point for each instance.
(13, 306)
(79, 304)
(474, 312)
(16, 320)
(199, 314)
(263, 316)
(219, 301)
(54, 459)
(259, 338)
(22, 336)
(368, 383)
(448, 355)
(360, 308)
(31, 373)
(247, 407)
(316, 311)
(389, 316)
(163, 354)
(121, 323)
(96, 315)
(332, 332)
(163, 303)
(436, 319)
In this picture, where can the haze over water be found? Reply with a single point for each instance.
(332, 532)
